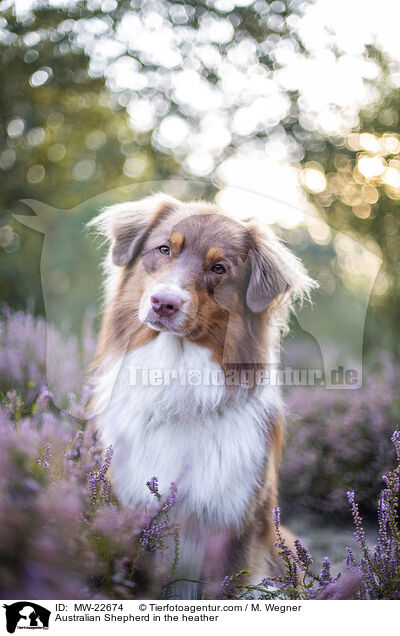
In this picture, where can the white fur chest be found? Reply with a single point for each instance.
(181, 432)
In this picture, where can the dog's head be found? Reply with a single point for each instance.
(187, 268)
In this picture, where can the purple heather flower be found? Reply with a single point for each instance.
(152, 485)
(325, 574)
(45, 460)
(13, 403)
(276, 515)
(227, 586)
(350, 561)
(396, 442)
(154, 536)
(98, 477)
(44, 398)
(303, 554)
(171, 499)
(358, 522)
(267, 582)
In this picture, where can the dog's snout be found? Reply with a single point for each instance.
(166, 303)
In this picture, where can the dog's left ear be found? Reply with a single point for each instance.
(276, 274)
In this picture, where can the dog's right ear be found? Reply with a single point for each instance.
(127, 225)
(126, 240)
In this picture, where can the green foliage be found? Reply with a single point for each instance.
(68, 127)
(362, 193)
(64, 138)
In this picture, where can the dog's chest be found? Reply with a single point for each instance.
(183, 433)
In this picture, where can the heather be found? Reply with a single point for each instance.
(373, 575)
(30, 347)
(339, 440)
(63, 533)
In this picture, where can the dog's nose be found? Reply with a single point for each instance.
(166, 303)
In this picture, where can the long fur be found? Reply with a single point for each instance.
(220, 446)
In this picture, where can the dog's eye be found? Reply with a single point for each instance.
(218, 269)
(164, 249)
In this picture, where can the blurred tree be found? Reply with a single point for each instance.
(103, 93)
(100, 93)
(63, 137)
(355, 184)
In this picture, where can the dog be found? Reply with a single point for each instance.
(188, 290)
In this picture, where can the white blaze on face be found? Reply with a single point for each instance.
(172, 286)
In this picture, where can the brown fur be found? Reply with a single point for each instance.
(236, 316)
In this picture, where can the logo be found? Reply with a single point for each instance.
(26, 615)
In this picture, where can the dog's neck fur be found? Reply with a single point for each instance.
(178, 431)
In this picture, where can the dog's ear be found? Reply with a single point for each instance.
(127, 225)
(127, 239)
(276, 274)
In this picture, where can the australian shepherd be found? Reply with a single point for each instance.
(195, 303)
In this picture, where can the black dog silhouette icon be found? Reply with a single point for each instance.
(26, 614)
